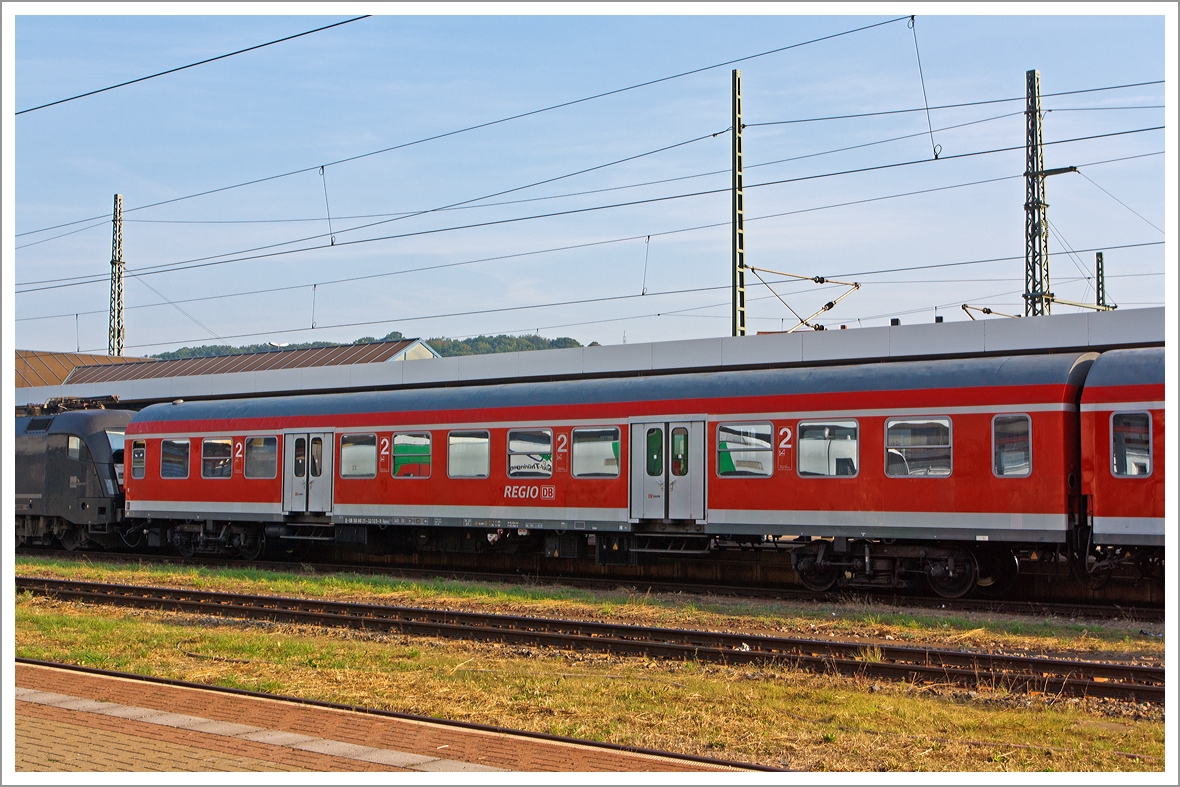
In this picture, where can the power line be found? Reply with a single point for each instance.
(490, 123)
(946, 106)
(201, 263)
(192, 65)
(1119, 201)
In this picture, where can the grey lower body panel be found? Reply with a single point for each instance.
(1145, 531)
(917, 525)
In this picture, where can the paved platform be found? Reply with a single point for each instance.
(75, 721)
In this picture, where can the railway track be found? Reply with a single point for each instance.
(1107, 611)
(1066, 677)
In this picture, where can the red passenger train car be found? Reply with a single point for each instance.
(874, 474)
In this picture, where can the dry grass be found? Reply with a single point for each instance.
(775, 715)
(848, 620)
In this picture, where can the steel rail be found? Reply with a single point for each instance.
(465, 725)
(1028, 673)
(1110, 610)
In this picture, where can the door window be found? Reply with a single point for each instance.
(655, 452)
(317, 456)
(680, 451)
(138, 458)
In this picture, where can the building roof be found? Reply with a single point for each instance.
(35, 368)
(374, 352)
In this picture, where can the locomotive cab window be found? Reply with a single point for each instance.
(262, 457)
(595, 453)
(468, 454)
(358, 456)
(1130, 444)
(1012, 446)
(745, 450)
(918, 447)
(530, 453)
(828, 448)
(138, 458)
(411, 455)
(174, 458)
(74, 447)
(217, 458)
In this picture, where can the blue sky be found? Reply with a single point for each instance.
(392, 79)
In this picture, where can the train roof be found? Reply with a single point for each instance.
(1059, 333)
(1128, 367)
(1063, 369)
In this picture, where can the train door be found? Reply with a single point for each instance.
(668, 470)
(307, 472)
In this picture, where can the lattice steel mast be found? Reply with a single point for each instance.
(1036, 225)
(739, 228)
(115, 332)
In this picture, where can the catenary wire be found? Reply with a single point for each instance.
(490, 123)
(191, 65)
(201, 263)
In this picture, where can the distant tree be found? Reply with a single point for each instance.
(486, 345)
(480, 345)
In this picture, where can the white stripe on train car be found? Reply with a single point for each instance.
(1091, 407)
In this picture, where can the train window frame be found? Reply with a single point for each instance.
(188, 455)
(574, 443)
(1150, 444)
(824, 422)
(893, 420)
(247, 451)
(487, 436)
(770, 450)
(139, 470)
(429, 454)
(517, 473)
(1028, 419)
(227, 460)
(348, 435)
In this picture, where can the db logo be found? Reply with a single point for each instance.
(548, 493)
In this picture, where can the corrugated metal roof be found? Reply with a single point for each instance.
(375, 352)
(35, 368)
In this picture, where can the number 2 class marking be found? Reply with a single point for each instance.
(785, 434)
(562, 441)
(238, 450)
(385, 446)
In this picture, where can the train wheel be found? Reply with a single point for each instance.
(954, 576)
(72, 538)
(254, 545)
(997, 571)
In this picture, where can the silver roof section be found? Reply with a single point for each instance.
(1057, 333)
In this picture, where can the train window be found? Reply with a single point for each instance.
(530, 453)
(358, 456)
(679, 451)
(138, 458)
(918, 447)
(595, 453)
(74, 447)
(829, 448)
(745, 449)
(1130, 444)
(174, 459)
(217, 458)
(411, 455)
(655, 452)
(300, 457)
(262, 457)
(468, 454)
(1012, 446)
(317, 457)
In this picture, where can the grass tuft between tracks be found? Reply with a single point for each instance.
(772, 714)
(844, 619)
